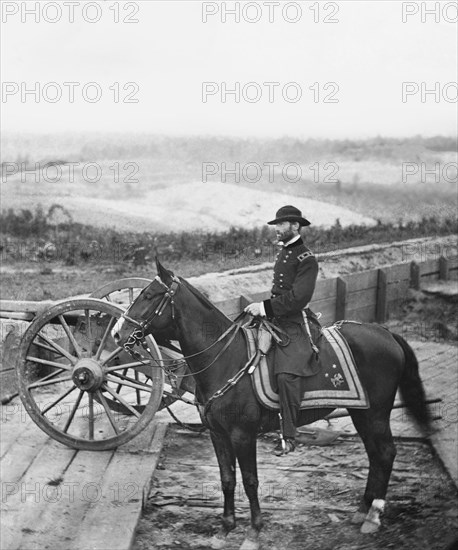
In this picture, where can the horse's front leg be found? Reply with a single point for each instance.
(244, 444)
(226, 460)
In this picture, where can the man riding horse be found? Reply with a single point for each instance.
(294, 279)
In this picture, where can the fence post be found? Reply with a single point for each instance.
(414, 276)
(381, 313)
(341, 299)
(443, 269)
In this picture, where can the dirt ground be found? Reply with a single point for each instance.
(307, 498)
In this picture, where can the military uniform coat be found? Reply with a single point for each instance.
(294, 279)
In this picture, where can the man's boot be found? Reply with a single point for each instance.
(290, 445)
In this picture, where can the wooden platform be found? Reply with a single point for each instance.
(57, 498)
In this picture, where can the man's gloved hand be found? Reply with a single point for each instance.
(254, 309)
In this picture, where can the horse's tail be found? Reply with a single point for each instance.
(411, 387)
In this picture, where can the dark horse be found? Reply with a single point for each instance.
(171, 307)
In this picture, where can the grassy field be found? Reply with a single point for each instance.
(155, 183)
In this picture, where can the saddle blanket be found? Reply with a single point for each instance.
(335, 385)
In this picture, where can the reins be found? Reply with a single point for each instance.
(138, 337)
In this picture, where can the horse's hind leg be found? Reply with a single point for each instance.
(244, 444)
(226, 460)
(374, 429)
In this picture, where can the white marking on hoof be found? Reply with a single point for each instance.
(372, 522)
(370, 526)
(216, 542)
(250, 545)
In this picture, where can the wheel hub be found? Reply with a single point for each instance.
(87, 374)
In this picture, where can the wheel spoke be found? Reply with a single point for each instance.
(60, 349)
(137, 391)
(42, 383)
(125, 381)
(91, 415)
(122, 401)
(127, 366)
(48, 348)
(104, 338)
(88, 326)
(52, 375)
(47, 362)
(131, 295)
(73, 411)
(123, 375)
(108, 411)
(112, 355)
(70, 336)
(58, 400)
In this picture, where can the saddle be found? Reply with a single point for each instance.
(335, 383)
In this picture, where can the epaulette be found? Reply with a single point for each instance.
(304, 255)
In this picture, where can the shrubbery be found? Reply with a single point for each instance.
(44, 233)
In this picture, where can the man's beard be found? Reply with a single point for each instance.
(286, 235)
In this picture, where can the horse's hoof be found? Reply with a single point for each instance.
(249, 544)
(370, 526)
(358, 517)
(216, 543)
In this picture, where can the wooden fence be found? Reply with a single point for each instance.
(365, 296)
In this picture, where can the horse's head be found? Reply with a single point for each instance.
(152, 312)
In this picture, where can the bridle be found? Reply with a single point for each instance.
(138, 336)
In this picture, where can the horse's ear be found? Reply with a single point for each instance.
(164, 274)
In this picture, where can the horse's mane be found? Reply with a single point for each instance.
(202, 298)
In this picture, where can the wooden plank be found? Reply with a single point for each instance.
(20, 453)
(430, 267)
(362, 314)
(443, 268)
(325, 307)
(23, 509)
(362, 298)
(341, 299)
(17, 315)
(429, 278)
(260, 296)
(326, 288)
(415, 276)
(362, 280)
(398, 272)
(69, 501)
(25, 306)
(381, 312)
(109, 523)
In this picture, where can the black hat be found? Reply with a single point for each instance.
(289, 214)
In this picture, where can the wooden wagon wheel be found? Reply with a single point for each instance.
(69, 366)
(123, 292)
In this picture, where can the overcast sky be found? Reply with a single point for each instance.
(366, 55)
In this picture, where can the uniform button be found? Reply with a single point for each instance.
(284, 261)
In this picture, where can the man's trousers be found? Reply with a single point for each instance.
(290, 391)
